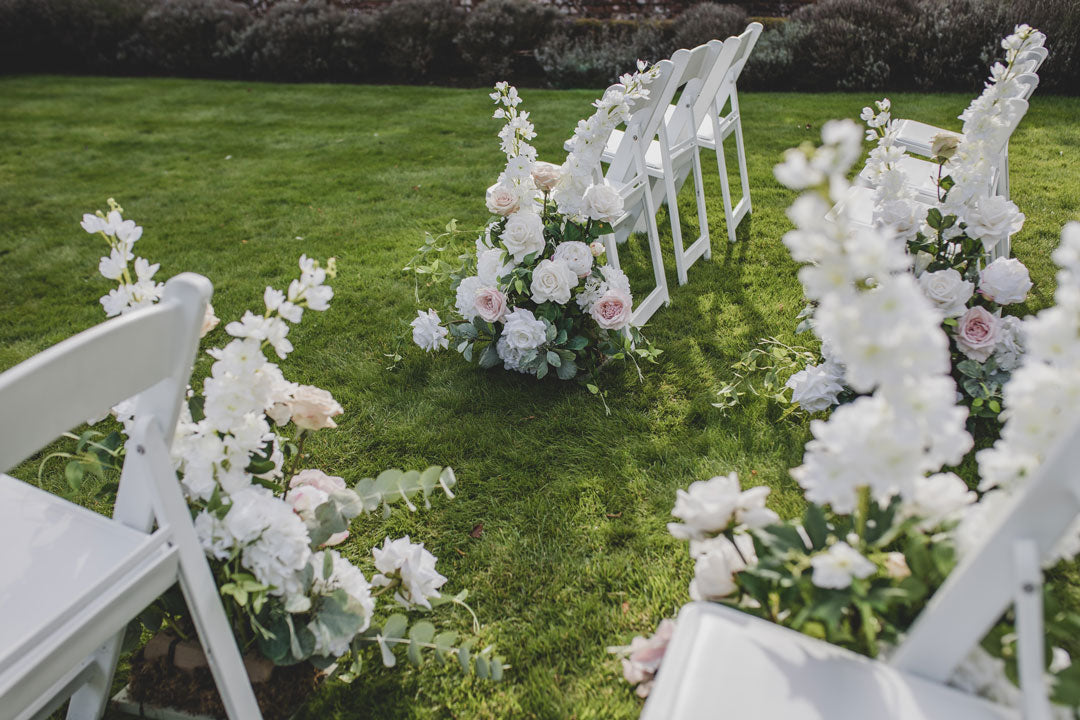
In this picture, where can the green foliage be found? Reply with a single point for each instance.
(762, 372)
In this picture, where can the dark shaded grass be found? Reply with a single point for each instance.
(236, 180)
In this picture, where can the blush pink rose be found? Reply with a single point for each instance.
(313, 408)
(490, 304)
(317, 479)
(612, 311)
(977, 333)
(311, 488)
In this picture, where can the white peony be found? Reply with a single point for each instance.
(836, 567)
(603, 202)
(428, 331)
(948, 290)
(577, 255)
(1005, 281)
(816, 388)
(552, 280)
(523, 235)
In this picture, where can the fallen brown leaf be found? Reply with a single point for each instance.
(477, 531)
(625, 607)
(614, 515)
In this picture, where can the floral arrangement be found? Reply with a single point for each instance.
(272, 526)
(885, 522)
(950, 241)
(535, 295)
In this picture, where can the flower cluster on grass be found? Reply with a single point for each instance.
(535, 294)
(270, 523)
(885, 519)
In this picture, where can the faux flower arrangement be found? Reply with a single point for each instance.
(950, 241)
(884, 522)
(271, 524)
(535, 295)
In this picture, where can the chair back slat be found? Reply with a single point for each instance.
(697, 74)
(645, 119)
(745, 45)
(983, 585)
(140, 353)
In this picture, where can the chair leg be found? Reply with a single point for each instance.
(196, 581)
(702, 212)
(744, 178)
(676, 227)
(655, 251)
(725, 188)
(90, 700)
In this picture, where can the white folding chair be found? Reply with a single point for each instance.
(70, 579)
(751, 668)
(720, 126)
(916, 137)
(628, 174)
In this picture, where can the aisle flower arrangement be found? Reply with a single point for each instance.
(536, 295)
(949, 241)
(275, 528)
(885, 520)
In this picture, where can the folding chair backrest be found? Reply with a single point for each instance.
(697, 69)
(645, 121)
(1033, 58)
(148, 353)
(985, 582)
(1028, 81)
(745, 45)
(1015, 108)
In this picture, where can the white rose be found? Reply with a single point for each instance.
(717, 562)
(1010, 348)
(552, 280)
(993, 219)
(490, 266)
(947, 290)
(491, 304)
(577, 255)
(523, 331)
(546, 175)
(1005, 281)
(428, 331)
(706, 507)
(815, 388)
(502, 200)
(597, 248)
(603, 202)
(523, 235)
(465, 301)
(312, 408)
(613, 310)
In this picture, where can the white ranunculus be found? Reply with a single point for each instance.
(1005, 281)
(552, 280)
(577, 256)
(428, 331)
(414, 566)
(546, 175)
(836, 567)
(523, 331)
(948, 290)
(815, 388)
(523, 234)
(465, 302)
(603, 202)
(992, 219)
(502, 199)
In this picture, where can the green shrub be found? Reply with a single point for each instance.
(357, 47)
(290, 42)
(1060, 20)
(499, 36)
(708, 21)
(771, 65)
(71, 36)
(594, 53)
(419, 39)
(189, 37)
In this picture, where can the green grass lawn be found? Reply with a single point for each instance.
(236, 180)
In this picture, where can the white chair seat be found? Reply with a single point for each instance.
(723, 663)
(916, 137)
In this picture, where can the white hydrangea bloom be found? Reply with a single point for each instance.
(414, 566)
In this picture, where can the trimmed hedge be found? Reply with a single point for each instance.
(866, 45)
